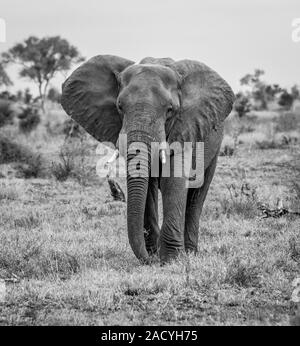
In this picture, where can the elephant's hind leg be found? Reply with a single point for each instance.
(151, 217)
(195, 201)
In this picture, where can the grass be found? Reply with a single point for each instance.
(65, 244)
(287, 121)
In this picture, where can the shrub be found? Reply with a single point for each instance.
(72, 129)
(281, 143)
(29, 164)
(242, 201)
(6, 113)
(73, 162)
(227, 150)
(286, 99)
(11, 151)
(268, 144)
(63, 169)
(29, 120)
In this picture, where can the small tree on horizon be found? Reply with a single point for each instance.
(260, 90)
(41, 59)
(257, 85)
(287, 98)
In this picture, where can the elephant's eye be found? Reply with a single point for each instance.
(169, 110)
(120, 107)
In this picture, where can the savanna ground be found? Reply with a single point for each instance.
(65, 257)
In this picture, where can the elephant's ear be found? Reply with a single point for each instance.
(89, 96)
(206, 100)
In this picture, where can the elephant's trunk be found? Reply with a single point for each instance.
(137, 186)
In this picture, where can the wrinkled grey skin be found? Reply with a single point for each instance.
(155, 100)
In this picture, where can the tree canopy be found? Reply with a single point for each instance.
(42, 58)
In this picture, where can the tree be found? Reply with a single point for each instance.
(4, 79)
(41, 59)
(261, 91)
(286, 99)
(257, 86)
(295, 92)
(252, 79)
(272, 90)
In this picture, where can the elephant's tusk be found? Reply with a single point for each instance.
(108, 163)
(114, 156)
(163, 157)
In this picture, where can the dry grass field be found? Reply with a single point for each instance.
(65, 257)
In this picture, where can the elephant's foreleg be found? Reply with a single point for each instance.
(174, 193)
(195, 201)
(151, 217)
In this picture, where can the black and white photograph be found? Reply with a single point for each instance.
(149, 165)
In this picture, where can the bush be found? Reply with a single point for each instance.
(227, 150)
(286, 100)
(63, 169)
(268, 144)
(75, 162)
(11, 151)
(6, 113)
(242, 201)
(282, 143)
(29, 164)
(72, 129)
(29, 120)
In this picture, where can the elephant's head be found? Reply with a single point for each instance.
(156, 100)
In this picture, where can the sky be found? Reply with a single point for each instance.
(232, 36)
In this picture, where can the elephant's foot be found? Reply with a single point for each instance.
(171, 242)
(191, 239)
(166, 258)
(169, 252)
(191, 249)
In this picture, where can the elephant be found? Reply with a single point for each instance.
(157, 100)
